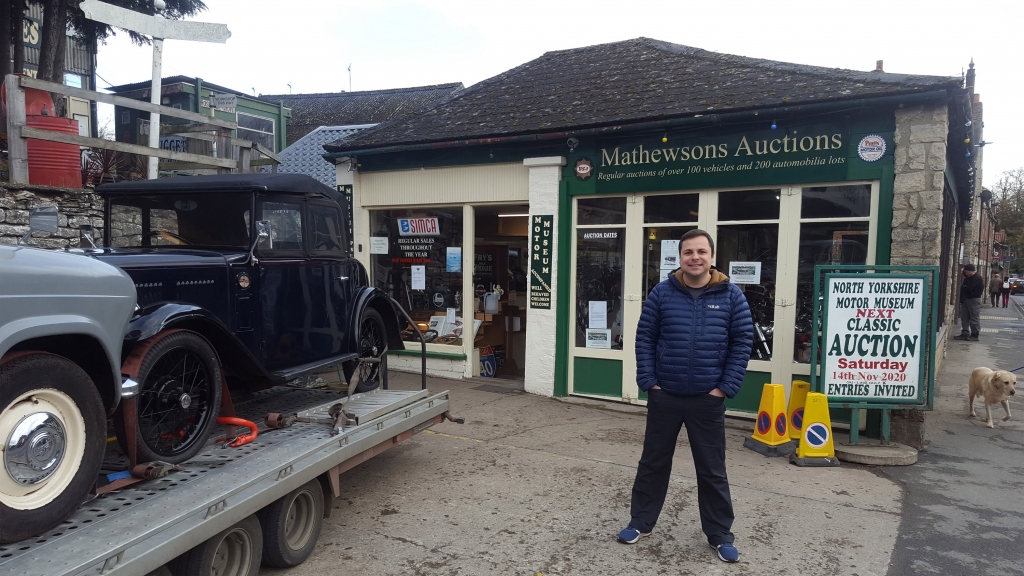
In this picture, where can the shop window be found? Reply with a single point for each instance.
(829, 243)
(661, 254)
(836, 201)
(601, 211)
(671, 208)
(749, 205)
(600, 253)
(754, 249)
(416, 258)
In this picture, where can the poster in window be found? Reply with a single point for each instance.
(598, 314)
(419, 277)
(745, 272)
(669, 254)
(453, 260)
(378, 245)
(599, 339)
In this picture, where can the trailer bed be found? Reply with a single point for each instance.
(139, 528)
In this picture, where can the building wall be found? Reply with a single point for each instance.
(463, 186)
(920, 164)
(545, 174)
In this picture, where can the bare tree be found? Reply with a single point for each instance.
(1009, 196)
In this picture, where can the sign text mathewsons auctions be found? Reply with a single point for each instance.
(873, 342)
(541, 250)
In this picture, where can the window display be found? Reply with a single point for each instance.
(423, 246)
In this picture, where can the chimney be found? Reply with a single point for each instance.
(970, 78)
(878, 66)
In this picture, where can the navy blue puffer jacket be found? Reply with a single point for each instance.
(691, 347)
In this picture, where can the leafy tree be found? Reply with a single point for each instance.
(1009, 207)
(61, 15)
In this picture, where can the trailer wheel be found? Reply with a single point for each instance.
(373, 344)
(291, 526)
(52, 425)
(234, 552)
(179, 398)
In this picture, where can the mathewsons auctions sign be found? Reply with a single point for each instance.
(873, 344)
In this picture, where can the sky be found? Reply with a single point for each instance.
(309, 44)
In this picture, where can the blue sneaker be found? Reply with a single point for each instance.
(727, 552)
(630, 535)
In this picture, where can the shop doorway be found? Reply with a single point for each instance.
(767, 240)
(501, 248)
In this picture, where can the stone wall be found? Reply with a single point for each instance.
(920, 162)
(76, 207)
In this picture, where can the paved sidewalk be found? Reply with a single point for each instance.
(963, 513)
(538, 485)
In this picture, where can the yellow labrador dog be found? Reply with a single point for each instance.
(994, 387)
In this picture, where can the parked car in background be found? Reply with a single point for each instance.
(244, 282)
(62, 322)
(1016, 285)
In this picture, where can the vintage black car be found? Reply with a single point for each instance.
(244, 282)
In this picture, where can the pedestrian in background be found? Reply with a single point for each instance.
(692, 347)
(970, 304)
(1004, 291)
(995, 286)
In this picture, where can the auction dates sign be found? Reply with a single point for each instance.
(874, 343)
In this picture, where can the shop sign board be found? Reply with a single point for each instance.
(541, 251)
(346, 191)
(418, 227)
(803, 153)
(874, 343)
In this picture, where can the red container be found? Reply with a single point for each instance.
(53, 163)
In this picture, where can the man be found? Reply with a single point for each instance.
(995, 284)
(970, 304)
(692, 347)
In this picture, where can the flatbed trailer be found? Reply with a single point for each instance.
(143, 527)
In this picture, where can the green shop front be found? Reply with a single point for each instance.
(778, 197)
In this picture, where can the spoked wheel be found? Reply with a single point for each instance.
(234, 552)
(373, 345)
(179, 398)
(291, 526)
(53, 433)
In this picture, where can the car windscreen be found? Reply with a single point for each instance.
(207, 219)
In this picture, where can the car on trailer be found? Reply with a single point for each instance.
(62, 321)
(244, 281)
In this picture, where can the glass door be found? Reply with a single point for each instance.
(599, 257)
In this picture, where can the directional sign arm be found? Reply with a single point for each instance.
(154, 26)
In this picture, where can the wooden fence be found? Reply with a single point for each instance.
(233, 155)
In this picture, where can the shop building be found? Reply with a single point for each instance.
(584, 167)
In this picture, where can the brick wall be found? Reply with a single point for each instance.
(76, 207)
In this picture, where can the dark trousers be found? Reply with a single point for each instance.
(704, 418)
(995, 299)
(970, 317)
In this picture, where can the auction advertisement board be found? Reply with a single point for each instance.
(874, 342)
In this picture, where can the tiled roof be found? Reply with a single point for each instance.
(306, 155)
(631, 81)
(310, 111)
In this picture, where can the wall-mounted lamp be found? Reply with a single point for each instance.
(573, 143)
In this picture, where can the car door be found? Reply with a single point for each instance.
(337, 278)
(290, 311)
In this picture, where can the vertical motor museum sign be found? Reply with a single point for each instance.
(541, 250)
(874, 343)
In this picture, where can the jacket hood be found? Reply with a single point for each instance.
(716, 277)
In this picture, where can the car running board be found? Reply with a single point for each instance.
(297, 371)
